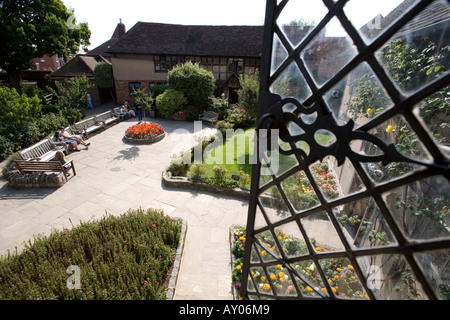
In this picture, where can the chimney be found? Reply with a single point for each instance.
(120, 30)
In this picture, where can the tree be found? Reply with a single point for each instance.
(30, 29)
(103, 73)
(72, 97)
(197, 84)
(143, 99)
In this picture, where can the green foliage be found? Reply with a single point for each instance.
(143, 99)
(103, 73)
(219, 106)
(223, 126)
(197, 173)
(192, 113)
(197, 84)
(221, 178)
(159, 89)
(250, 92)
(120, 258)
(72, 97)
(31, 29)
(240, 118)
(170, 102)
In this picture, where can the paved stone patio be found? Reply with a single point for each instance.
(113, 177)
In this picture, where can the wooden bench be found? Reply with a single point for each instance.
(88, 126)
(106, 117)
(44, 150)
(45, 166)
(209, 116)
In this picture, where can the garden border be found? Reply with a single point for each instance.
(183, 182)
(175, 270)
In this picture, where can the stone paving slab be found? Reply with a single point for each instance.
(113, 177)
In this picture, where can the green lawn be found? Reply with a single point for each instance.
(239, 149)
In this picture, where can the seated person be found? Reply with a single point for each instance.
(72, 143)
(59, 156)
(76, 138)
(126, 109)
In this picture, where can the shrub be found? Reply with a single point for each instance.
(197, 173)
(197, 84)
(143, 99)
(126, 257)
(219, 106)
(192, 113)
(249, 92)
(72, 95)
(223, 125)
(240, 118)
(178, 167)
(170, 102)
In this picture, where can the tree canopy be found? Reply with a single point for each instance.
(31, 29)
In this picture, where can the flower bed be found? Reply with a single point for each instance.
(340, 274)
(120, 258)
(144, 133)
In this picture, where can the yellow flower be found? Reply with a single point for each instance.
(366, 296)
(330, 281)
(263, 252)
(353, 277)
(242, 238)
(389, 129)
(238, 267)
(280, 275)
(279, 266)
(266, 286)
(280, 238)
(309, 288)
(350, 267)
(273, 277)
(339, 269)
(336, 277)
(334, 289)
(263, 278)
(318, 249)
(285, 236)
(369, 111)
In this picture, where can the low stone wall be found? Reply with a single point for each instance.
(144, 141)
(173, 277)
(183, 182)
(37, 180)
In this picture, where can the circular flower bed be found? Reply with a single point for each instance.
(144, 133)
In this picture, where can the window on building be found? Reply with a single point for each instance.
(133, 86)
(165, 63)
(235, 65)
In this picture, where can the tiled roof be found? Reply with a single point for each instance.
(78, 66)
(170, 39)
(435, 12)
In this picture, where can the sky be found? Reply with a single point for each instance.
(103, 16)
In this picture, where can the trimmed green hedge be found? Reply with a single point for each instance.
(119, 258)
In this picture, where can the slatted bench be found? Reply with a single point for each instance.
(209, 116)
(116, 113)
(44, 150)
(89, 126)
(106, 117)
(45, 166)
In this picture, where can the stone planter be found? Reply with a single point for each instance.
(145, 141)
